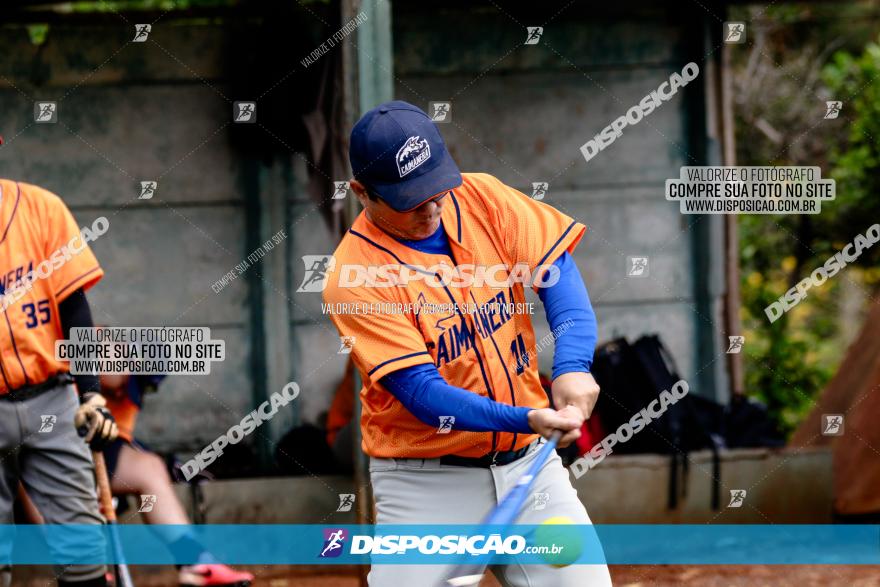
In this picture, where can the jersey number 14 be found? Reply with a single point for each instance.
(518, 349)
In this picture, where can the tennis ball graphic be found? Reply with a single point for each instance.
(561, 533)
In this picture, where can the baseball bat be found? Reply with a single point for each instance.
(105, 499)
(504, 514)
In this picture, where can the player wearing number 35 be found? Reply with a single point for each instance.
(43, 297)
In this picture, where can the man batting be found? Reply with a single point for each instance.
(42, 295)
(453, 409)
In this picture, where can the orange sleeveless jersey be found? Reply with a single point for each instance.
(489, 352)
(34, 223)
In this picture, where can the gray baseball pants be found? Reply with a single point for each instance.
(39, 446)
(422, 491)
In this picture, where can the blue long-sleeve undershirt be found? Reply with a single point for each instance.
(436, 244)
(571, 318)
(424, 392)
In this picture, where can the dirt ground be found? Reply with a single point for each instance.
(672, 576)
(752, 576)
(622, 576)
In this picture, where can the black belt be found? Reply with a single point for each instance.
(497, 458)
(26, 392)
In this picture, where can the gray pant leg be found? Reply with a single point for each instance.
(558, 498)
(10, 450)
(413, 491)
(58, 472)
(417, 491)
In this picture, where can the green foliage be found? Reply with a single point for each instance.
(784, 370)
(127, 5)
(133, 5)
(38, 33)
(856, 160)
(789, 361)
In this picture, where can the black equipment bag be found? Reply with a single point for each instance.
(631, 377)
(747, 425)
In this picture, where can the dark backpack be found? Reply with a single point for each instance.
(747, 425)
(631, 377)
(625, 389)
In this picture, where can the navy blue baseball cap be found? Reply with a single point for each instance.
(398, 153)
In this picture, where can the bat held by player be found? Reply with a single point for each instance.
(105, 497)
(504, 514)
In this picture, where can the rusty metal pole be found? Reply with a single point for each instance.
(367, 80)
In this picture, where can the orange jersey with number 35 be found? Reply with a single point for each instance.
(474, 325)
(36, 227)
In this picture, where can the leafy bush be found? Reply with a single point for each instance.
(780, 89)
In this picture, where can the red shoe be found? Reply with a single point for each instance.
(216, 575)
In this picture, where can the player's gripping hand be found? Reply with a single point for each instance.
(94, 422)
(575, 389)
(546, 420)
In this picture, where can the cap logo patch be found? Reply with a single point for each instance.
(413, 153)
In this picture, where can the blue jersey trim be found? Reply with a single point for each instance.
(5, 380)
(486, 382)
(506, 373)
(73, 281)
(457, 215)
(390, 252)
(556, 244)
(380, 365)
(11, 216)
(27, 380)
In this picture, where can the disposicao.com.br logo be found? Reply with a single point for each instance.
(402, 544)
(319, 268)
(334, 540)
